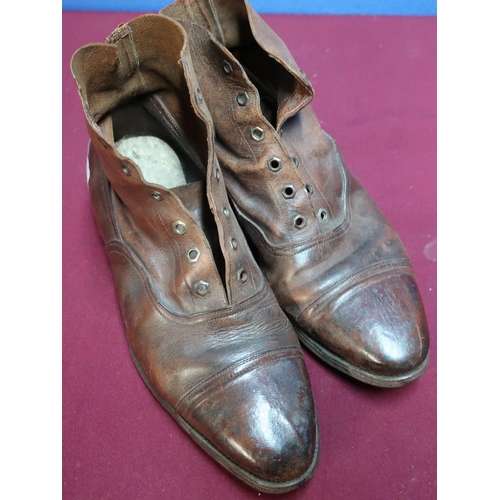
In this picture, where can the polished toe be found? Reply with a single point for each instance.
(376, 327)
(261, 416)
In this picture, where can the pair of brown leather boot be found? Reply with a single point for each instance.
(234, 229)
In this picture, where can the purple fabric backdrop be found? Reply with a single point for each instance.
(375, 82)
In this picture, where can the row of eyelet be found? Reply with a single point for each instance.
(201, 288)
(274, 163)
(242, 275)
(242, 98)
(288, 192)
(257, 133)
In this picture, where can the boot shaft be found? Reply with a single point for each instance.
(141, 83)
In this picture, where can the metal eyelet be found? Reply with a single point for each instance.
(299, 221)
(193, 254)
(274, 164)
(179, 227)
(295, 161)
(233, 243)
(226, 212)
(322, 215)
(257, 134)
(242, 276)
(157, 196)
(217, 174)
(202, 288)
(226, 66)
(126, 170)
(242, 99)
(309, 188)
(288, 191)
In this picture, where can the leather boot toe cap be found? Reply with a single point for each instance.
(375, 331)
(262, 418)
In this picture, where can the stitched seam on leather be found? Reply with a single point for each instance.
(227, 312)
(291, 111)
(300, 104)
(105, 186)
(107, 189)
(194, 403)
(285, 100)
(345, 192)
(250, 271)
(227, 259)
(357, 278)
(190, 10)
(132, 42)
(224, 376)
(112, 194)
(288, 251)
(222, 372)
(204, 22)
(217, 21)
(121, 66)
(165, 114)
(200, 436)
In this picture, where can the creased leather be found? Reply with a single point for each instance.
(227, 365)
(376, 330)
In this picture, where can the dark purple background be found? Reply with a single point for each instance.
(375, 82)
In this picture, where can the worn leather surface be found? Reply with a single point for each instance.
(226, 364)
(343, 274)
(375, 89)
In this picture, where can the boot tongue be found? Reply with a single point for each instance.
(193, 197)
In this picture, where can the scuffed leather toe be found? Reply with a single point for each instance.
(261, 417)
(312, 224)
(205, 331)
(375, 330)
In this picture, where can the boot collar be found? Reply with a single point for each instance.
(140, 58)
(227, 21)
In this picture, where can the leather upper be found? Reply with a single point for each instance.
(335, 264)
(223, 359)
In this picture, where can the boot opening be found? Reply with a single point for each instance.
(159, 153)
(146, 132)
(274, 84)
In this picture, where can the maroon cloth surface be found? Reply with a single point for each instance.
(375, 83)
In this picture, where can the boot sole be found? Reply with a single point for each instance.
(355, 372)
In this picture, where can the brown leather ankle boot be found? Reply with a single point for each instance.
(336, 265)
(205, 330)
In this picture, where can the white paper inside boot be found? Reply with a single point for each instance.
(157, 160)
